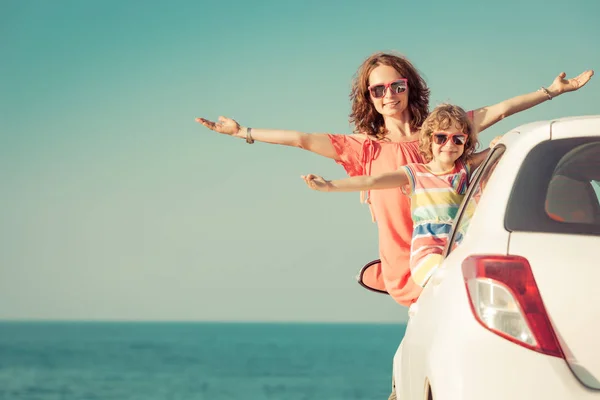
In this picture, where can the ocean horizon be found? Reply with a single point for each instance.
(158, 360)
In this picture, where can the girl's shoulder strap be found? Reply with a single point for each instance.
(414, 171)
(463, 166)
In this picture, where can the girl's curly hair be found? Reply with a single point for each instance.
(441, 119)
(365, 118)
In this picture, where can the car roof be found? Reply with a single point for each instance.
(540, 130)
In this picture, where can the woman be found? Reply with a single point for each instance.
(390, 101)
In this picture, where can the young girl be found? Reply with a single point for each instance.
(436, 189)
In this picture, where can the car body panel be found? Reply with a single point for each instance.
(446, 350)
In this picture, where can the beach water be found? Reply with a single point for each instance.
(160, 361)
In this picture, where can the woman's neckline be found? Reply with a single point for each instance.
(373, 139)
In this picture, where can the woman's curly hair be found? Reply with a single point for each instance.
(365, 117)
(441, 119)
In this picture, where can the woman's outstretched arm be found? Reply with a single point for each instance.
(318, 143)
(485, 117)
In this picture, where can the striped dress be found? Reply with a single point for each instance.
(435, 199)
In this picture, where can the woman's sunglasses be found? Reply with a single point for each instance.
(397, 86)
(441, 139)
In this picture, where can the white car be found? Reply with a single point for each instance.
(513, 312)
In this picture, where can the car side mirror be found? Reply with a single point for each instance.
(371, 278)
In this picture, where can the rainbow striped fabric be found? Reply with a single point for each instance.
(435, 200)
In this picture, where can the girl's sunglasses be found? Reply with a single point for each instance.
(397, 86)
(441, 139)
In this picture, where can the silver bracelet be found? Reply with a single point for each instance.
(543, 89)
(249, 139)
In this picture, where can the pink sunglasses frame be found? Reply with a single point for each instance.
(448, 137)
(387, 86)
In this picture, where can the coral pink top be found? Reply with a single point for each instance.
(361, 155)
(390, 208)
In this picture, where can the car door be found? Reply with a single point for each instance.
(426, 312)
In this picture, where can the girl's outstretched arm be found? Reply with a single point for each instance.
(485, 117)
(357, 183)
(318, 143)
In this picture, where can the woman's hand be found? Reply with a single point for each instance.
(226, 126)
(316, 182)
(561, 85)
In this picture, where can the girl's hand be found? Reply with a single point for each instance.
(494, 141)
(226, 126)
(562, 85)
(316, 182)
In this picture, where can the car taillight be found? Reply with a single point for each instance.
(505, 300)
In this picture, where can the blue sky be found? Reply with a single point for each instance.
(117, 205)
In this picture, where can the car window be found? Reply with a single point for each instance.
(469, 204)
(596, 186)
(557, 189)
(572, 194)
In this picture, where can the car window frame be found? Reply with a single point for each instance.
(525, 210)
(493, 157)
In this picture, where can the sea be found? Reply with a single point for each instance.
(189, 360)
